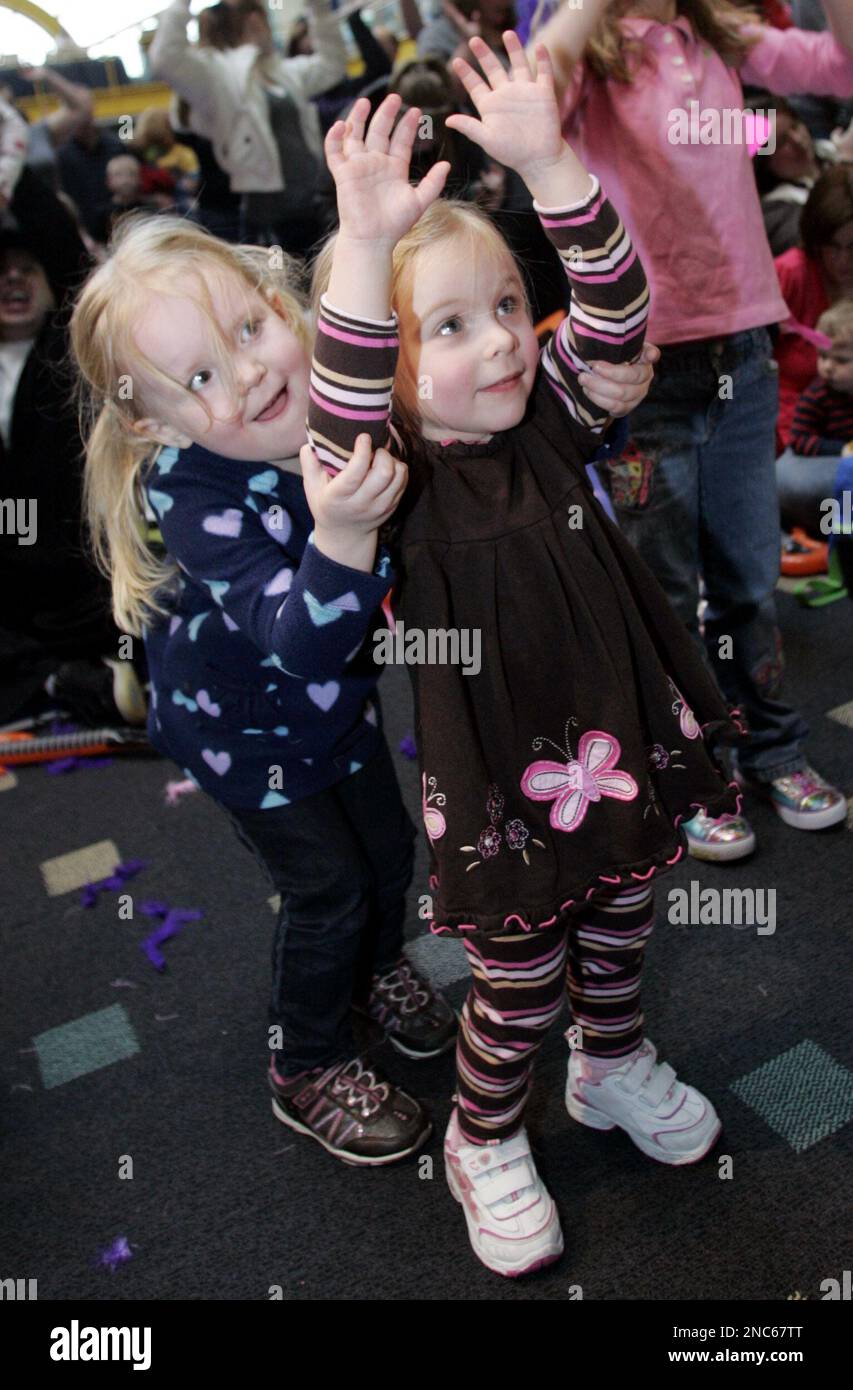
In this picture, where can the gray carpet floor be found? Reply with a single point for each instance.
(225, 1203)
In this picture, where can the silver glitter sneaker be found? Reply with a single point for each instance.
(719, 837)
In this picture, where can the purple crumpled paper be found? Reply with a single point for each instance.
(116, 880)
(116, 1254)
(71, 764)
(407, 747)
(174, 921)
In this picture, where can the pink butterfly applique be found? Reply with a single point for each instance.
(573, 785)
(687, 720)
(433, 819)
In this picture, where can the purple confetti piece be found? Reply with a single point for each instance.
(175, 922)
(131, 867)
(62, 765)
(154, 909)
(114, 1255)
(407, 747)
(116, 880)
(60, 726)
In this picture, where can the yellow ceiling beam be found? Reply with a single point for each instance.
(45, 21)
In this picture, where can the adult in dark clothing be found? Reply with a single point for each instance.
(377, 63)
(55, 613)
(215, 206)
(82, 163)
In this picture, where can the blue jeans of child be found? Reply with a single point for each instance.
(804, 484)
(342, 861)
(695, 493)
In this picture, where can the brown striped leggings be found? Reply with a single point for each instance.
(596, 953)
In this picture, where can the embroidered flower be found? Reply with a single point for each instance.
(661, 759)
(495, 805)
(516, 833)
(489, 842)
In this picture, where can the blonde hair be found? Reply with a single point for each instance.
(146, 254)
(837, 323)
(444, 220)
(610, 52)
(153, 127)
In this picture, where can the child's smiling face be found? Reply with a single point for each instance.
(465, 330)
(259, 417)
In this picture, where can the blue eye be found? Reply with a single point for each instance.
(195, 377)
(254, 327)
(446, 324)
(511, 300)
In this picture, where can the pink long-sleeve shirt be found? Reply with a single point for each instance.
(692, 210)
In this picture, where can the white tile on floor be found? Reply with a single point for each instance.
(842, 714)
(69, 871)
(442, 959)
(275, 901)
(8, 780)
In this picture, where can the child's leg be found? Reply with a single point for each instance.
(317, 865)
(387, 986)
(607, 941)
(516, 995)
(616, 1080)
(381, 825)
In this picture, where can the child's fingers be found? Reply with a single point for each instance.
(622, 373)
(490, 64)
(356, 119)
(467, 126)
(389, 499)
(471, 80)
(379, 130)
(404, 133)
(544, 66)
(431, 184)
(380, 474)
(313, 473)
(517, 56)
(354, 472)
(333, 144)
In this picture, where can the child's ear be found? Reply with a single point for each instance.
(164, 434)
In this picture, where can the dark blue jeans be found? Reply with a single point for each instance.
(342, 861)
(695, 493)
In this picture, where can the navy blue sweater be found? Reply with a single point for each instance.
(266, 661)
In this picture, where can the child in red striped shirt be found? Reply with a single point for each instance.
(823, 419)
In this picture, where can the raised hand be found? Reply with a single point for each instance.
(376, 202)
(468, 28)
(519, 123)
(618, 387)
(349, 508)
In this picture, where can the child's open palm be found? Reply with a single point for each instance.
(519, 123)
(376, 202)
